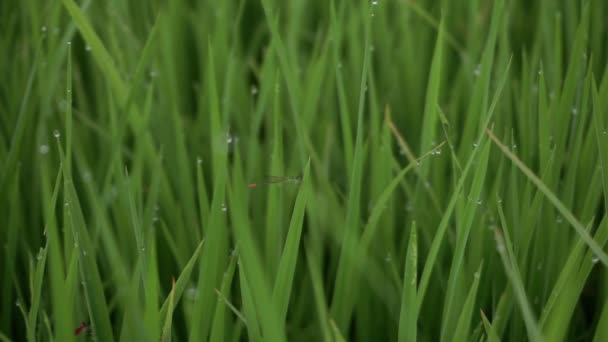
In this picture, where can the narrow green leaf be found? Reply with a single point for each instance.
(490, 331)
(462, 332)
(408, 317)
(166, 334)
(564, 211)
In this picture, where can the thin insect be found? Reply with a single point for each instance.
(81, 328)
(277, 180)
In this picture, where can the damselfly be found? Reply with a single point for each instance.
(277, 180)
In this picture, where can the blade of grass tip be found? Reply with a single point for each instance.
(443, 224)
(565, 213)
(432, 98)
(183, 279)
(137, 230)
(490, 331)
(408, 317)
(462, 332)
(219, 325)
(166, 334)
(343, 300)
(146, 54)
(36, 293)
(380, 205)
(319, 295)
(56, 262)
(464, 229)
(287, 266)
(534, 333)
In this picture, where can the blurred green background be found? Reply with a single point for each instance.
(453, 160)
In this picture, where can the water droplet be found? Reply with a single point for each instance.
(574, 111)
(69, 43)
(143, 249)
(477, 70)
(56, 134)
(199, 160)
(224, 208)
(409, 206)
(476, 275)
(479, 202)
(17, 304)
(155, 219)
(339, 65)
(559, 219)
(153, 74)
(475, 145)
(87, 48)
(231, 139)
(191, 293)
(438, 151)
(499, 200)
(388, 258)
(43, 28)
(374, 2)
(66, 203)
(540, 72)
(514, 147)
(44, 149)
(254, 90)
(595, 260)
(84, 252)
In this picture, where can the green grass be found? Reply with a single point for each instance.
(453, 154)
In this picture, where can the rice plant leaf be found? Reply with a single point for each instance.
(408, 317)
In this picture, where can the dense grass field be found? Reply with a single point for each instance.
(453, 158)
